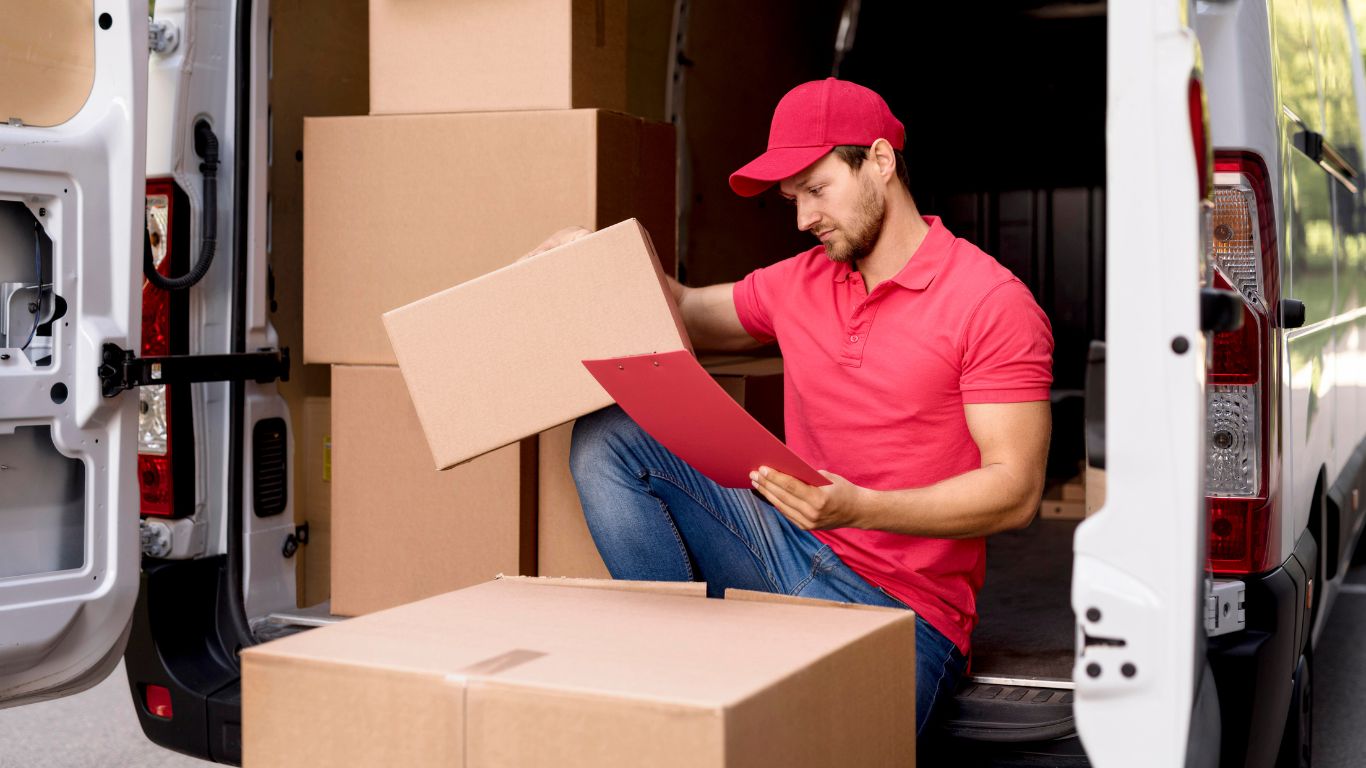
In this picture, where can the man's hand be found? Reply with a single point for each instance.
(837, 505)
(566, 235)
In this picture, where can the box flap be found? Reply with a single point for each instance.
(677, 588)
(754, 596)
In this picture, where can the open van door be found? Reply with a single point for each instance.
(1139, 563)
(72, 188)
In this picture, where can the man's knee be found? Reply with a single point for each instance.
(597, 439)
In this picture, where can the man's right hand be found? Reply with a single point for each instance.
(566, 235)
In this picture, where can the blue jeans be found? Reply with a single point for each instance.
(656, 518)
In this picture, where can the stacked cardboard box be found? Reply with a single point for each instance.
(490, 126)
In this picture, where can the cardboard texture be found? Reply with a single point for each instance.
(533, 673)
(47, 55)
(443, 56)
(1095, 489)
(498, 358)
(313, 496)
(401, 531)
(566, 547)
(399, 207)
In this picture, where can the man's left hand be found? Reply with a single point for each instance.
(838, 505)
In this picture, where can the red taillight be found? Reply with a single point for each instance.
(157, 699)
(1236, 356)
(154, 421)
(1241, 483)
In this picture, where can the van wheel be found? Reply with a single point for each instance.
(1297, 742)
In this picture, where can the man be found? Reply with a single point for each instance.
(917, 372)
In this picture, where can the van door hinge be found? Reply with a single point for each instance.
(1224, 607)
(122, 370)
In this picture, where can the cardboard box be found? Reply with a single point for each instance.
(756, 383)
(313, 497)
(1095, 489)
(566, 548)
(568, 674)
(500, 358)
(402, 531)
(459, 56)
(397, 208)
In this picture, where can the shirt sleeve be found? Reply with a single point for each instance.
(1007, 348)
(758, 299)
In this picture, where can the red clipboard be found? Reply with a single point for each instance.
(673, 399)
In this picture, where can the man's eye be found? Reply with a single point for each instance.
(815, 191)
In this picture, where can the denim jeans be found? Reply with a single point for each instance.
(656, 518)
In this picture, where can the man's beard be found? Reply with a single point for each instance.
(863, 233)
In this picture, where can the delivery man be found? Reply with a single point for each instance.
(917, 373)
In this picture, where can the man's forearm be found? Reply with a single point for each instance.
(678, 289)
(977, 503)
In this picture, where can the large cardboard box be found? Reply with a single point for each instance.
(567, 674)
(499, 358)
(402, 531)
(399, 207)
(462, 56)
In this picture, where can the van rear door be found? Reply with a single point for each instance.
(1139, 561)
(72, 188)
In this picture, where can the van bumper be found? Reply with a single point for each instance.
(1254, 669)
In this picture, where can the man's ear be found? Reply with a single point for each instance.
(884, 159)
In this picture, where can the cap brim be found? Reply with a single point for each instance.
(773, 166)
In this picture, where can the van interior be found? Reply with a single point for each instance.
(1004, 106)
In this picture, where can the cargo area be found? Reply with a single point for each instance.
(388, 530)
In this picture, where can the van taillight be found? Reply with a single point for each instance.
(154, 415)
(1241, 488)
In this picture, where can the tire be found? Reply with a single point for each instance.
(1297, 742)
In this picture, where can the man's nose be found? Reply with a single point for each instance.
(806, 217)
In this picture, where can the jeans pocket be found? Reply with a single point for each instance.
(824, 560)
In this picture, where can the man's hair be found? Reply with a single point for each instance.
(853, 156)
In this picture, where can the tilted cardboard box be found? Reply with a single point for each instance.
(545, 673)
(499, 358)
(400, 207)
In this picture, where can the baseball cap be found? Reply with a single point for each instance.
(813, 119)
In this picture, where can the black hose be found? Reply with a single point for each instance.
(206, 146)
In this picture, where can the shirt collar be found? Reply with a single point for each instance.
(924, 263)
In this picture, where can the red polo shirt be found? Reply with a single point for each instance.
(875, 387)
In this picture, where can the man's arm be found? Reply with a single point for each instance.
(1002, 495)
(708, 313)
(710, 317)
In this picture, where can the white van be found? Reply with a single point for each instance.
(1178, 182)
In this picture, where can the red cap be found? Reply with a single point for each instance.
(813, 119)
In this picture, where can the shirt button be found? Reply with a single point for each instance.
(853, 338)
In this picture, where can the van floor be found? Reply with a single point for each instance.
(1026, 628)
